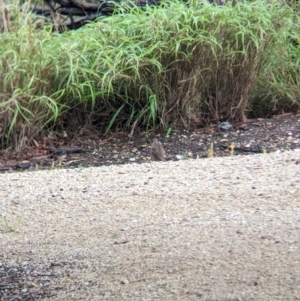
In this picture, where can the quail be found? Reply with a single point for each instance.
(157, 151)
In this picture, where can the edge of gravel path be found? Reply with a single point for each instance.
(206, 229)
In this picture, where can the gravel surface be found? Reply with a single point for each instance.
(207, 229)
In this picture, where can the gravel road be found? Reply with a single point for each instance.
(209, 229)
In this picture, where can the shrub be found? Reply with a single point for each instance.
(166, 65)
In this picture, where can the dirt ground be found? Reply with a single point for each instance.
(252, 136)
(208, 229)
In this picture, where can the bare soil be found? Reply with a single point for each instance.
(252, 136)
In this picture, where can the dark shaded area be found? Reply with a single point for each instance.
(72, 14)
(91, 149)
(27, 281)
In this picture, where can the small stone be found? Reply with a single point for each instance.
(224, 126)
(124, 281)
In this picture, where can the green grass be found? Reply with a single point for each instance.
(10, 225)
(164, 66)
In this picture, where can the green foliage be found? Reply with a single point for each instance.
(159, 66)
(278, 86)
(10, 225)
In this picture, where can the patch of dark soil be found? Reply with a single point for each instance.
(36, 280)
(253, 136)
(25, 281)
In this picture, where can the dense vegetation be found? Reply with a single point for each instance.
(163, 66)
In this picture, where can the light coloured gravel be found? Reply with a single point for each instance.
(207, 229)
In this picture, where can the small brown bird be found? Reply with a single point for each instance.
(157, 151)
